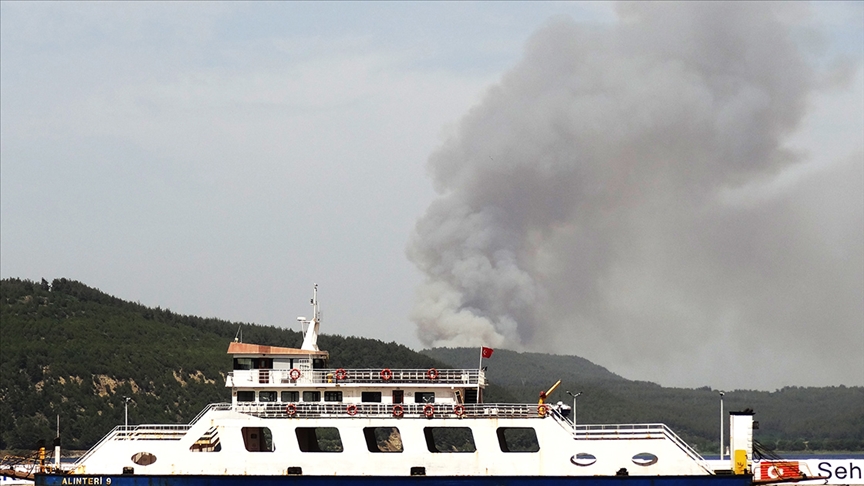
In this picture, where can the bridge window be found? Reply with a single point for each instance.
(245, 396)
(311, 396)
(319, 439)
(518, 439)
(383, 439)
(267, 396)
(424, 397)
(257, 439)
(242, 363)
(449, 439)
(371, 397)
(333, 396)
(290, 396)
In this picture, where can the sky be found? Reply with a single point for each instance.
(673, 191)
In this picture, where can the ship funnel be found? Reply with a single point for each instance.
(310, 339)
(741, 440)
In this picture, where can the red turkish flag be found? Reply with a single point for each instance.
(486, 352)
(779, 470)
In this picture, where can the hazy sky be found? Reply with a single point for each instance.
(675, 192)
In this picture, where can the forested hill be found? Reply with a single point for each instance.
(70, 350)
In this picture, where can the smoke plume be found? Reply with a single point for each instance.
(616, 196)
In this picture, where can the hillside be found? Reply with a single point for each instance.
(70, 350)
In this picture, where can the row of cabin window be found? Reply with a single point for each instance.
(315, 396)
(388, 439)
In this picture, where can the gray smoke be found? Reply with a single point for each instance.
(599, 200)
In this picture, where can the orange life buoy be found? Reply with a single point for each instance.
(351, 409)
(291, 409)
(341, 374)
(386, 374)
(398, 411)
(428, 410)
(541, 410)
(459, 410)
(432, 374)
(294, 374)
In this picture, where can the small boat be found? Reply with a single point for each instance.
(294, 420)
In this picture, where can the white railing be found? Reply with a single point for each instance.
(212, 406)
(152, 432)
(620, 431)
(265, 377)
(373, 410)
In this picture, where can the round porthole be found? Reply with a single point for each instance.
(644, 459)
(583, 459)
(143, 458)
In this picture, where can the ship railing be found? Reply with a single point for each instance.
(109, 436)
(356, 376)
(212, 406)
(152, 432)
(637, 431)
(376, 410)
(687, 449)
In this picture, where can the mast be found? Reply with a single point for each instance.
(310, 339)
(57, 445)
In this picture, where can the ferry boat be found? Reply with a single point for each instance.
(293, 420)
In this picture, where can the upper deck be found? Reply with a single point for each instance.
(262, 367)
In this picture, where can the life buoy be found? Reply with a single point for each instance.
(541, 410)
(428, 410)
(432, 374)
(459, 410)
(386, 374)
(351, 409)
(291, 410)
(398, 411)
(341, 374)
(294, 374)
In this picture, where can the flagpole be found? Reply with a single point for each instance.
(479, 371)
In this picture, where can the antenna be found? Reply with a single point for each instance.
(239, 333)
